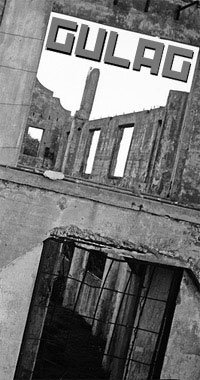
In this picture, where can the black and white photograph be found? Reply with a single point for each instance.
(100, 190)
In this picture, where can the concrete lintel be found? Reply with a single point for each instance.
(104, 194)
(88, 240)
(122, 254)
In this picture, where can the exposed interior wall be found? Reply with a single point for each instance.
(16, 283)
(32, 205)
(22, 31)
(29, 211)
(182, 359)
(140, 154)
(47, 114)
(158, 21)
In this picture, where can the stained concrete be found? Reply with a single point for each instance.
(21, 43)
(47, 114)
(32, 205)
(182, 359)
(16, 283)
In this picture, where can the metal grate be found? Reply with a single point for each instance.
(96, 324)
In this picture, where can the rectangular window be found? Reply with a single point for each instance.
(124, 146)
(32, 141)
(92, 151)
(96, 263)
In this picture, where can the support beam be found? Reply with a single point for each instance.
(180, 8)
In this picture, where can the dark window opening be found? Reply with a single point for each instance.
(96, 263)
(32, 141)
(111, 326)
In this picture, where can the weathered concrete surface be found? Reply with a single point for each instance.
(16, 284)
(31, 205)
(35, 206)
(47, 114)
(80, 117)
(182, 359)
(186, 184)
(23, 28)
(2, 8)
(21, 37)
(167, 151)
(140, 155)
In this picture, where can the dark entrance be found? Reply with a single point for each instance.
(97, 316)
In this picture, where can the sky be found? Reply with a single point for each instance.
(119, 90)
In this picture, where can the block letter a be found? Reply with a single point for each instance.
(153, 63)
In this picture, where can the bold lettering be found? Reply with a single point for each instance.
(95, 54)
(172, 74)
(51, 41)
(109, 55)
(140, 60)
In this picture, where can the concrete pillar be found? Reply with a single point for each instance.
(76, 272)
(118, 338)
(88, 94)
(61, 148)
(49, 263)
(79, 119)
(22, 30)
(168, 145)
(108, 298)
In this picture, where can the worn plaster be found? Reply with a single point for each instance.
(16, 286)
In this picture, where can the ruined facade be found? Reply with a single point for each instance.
(46, 114)
(144, 223)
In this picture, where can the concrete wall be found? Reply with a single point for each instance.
(182, 360)
(47, 114)
(32, 205)
(16, 283)
(22, 31)
(153, 151)
(140, 155)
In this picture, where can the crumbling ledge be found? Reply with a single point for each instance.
(89, 240)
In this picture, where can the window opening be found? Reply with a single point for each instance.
(126, 138)
(32, 141)
(96, 263)
(92, 151)
(114, 325)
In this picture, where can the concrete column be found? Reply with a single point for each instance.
(124, 313)
(79, 119)
(88, 94)
(61, 148)
(22, 30)
(76, 272)
(108, 298)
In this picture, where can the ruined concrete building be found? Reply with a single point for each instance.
(100, 270)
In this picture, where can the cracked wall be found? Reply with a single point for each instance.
(95, 216)
(32, 205)
(183, 353)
